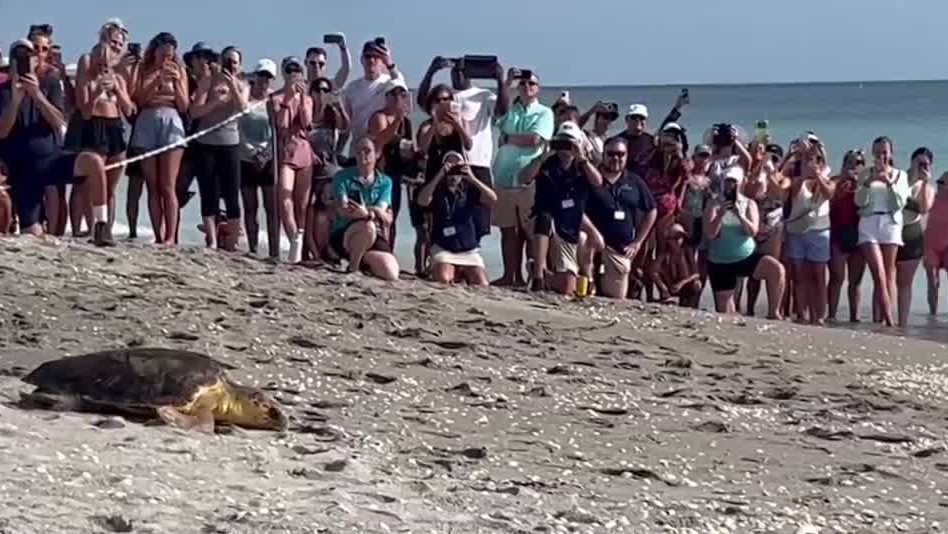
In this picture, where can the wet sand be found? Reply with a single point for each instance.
(419, 408)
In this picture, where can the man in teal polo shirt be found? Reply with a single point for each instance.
(524, 132)
(362, 197)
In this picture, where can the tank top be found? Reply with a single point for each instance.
(843, 209)
(810, 212)
(912, 212)
(396, 166)
(733, 243)
(693, 203)
(227, 135)
(255, 132)
(438, 148)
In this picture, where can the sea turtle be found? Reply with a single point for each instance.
(184, 389)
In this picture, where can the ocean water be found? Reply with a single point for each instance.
(844, 115)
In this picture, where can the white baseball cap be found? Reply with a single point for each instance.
(735, 172)
(267, 65)
(637, 110)
(571, 131)
(395, 83)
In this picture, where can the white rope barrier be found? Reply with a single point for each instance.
(182, 143)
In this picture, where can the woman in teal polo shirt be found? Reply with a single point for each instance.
(363, 218)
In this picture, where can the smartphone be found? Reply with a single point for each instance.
(565, 95)
(355, 196)
(22, 62)
(561, 144)
(478, 67)
(335, 38)
(685, 96)
(762, 131)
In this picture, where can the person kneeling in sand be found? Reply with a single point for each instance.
(623, 210)
(562, 236)
(674, 272)
(455, 197)
(362, 196)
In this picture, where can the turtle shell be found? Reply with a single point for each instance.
(129, 377)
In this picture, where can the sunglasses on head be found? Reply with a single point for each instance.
(45, 29)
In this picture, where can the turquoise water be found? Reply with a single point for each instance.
(844, 115)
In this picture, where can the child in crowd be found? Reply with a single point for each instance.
(674, 272)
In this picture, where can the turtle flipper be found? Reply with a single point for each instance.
(202, 421)
(44, 400)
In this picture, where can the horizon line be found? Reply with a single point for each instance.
(745, 84)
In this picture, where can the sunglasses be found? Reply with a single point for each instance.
(319, 64)
(615, 154)
(293, 70)
(42, 48)
(398, 93)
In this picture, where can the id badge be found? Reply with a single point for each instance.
(619, 215)
(449, 231)
(568, 203)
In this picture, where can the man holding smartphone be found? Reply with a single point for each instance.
(317, 60)
(31, 112)
(363, 97)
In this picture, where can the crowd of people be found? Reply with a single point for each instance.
(332, 162)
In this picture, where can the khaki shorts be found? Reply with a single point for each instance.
(513, 208)
(616, 265)
(563, 256)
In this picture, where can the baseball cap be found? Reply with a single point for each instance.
(637, 110)
(200, 49)
(571, 131)
(21, 42)
(267, 65)
(702, 149)
(735, 173)
(395, 83)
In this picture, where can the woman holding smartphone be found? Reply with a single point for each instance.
(256, 161)
(102, 100)
(217, 154)
(914, 218)
(846, 261)
(160, 91)
(882, 193)
(293, 112)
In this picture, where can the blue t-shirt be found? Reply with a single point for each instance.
(615, 209)
(348, 185)
(561, 194)
(31, 137)
(454, 218)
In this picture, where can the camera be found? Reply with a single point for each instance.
(477, 67)
(561, 144)
(723, 135)
(730, 194)
(335, 38)
(611, 108)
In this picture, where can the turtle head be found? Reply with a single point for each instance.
(252, 408)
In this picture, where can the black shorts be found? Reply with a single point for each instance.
(337, 242)
(103, 136)
(913, 247)
(695, 232)
(845, 237)
(251, 176)
(30, 177)
(723, 276)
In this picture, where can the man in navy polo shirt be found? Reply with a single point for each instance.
(564, 176)
(623, 210)
(31, 111)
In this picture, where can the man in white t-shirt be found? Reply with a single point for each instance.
(479, 108)
(365, 96)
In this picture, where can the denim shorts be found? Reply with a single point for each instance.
(812, 246)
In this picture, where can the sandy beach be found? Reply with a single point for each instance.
(420, 409)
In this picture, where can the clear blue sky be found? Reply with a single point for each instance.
(609, 42)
